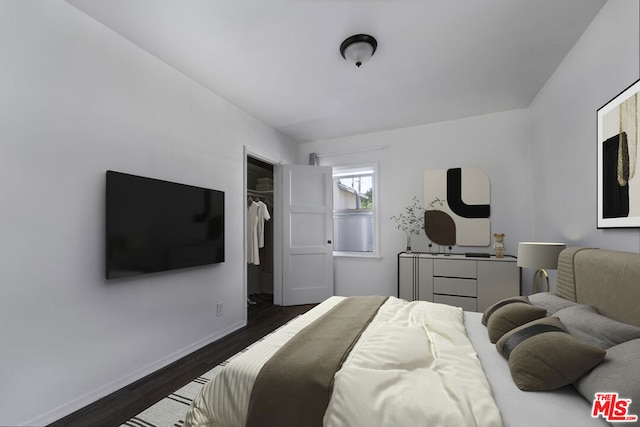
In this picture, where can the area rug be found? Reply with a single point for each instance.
(170, 411)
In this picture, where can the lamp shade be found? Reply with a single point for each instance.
(539, 254)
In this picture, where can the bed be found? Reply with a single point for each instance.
(377, 361)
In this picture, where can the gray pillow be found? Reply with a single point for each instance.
(543, 356)
(585, 323)
(550, 301)
(511, 316)
(618, 373)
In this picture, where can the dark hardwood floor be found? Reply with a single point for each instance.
(118, 407)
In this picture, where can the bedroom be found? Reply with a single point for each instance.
(80, 99)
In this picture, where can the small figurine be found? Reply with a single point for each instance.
(498, 246)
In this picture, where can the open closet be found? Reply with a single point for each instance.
(260, 245)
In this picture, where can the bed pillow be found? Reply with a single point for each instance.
(618, 373)
(511, 316)
(585, 323)
(512, 300)
(551, 302)
(543, 356)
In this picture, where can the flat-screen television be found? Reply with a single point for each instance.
(154, 225)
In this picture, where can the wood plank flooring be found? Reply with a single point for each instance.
(123, 404)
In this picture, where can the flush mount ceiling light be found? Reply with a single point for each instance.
(358, 49)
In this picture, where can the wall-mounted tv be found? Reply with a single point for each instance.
(154, 225)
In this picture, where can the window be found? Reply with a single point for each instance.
(355, 201)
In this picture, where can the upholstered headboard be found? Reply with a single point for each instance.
(607, 280)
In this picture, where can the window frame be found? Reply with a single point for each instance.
(356, 167)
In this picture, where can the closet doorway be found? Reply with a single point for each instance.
(260, 238)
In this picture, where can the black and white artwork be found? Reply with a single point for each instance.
(618, 182)
(457, 207)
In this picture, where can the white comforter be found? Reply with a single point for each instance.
(414, 365)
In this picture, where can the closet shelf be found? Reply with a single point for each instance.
(259, 192)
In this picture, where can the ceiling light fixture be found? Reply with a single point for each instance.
(358, 49)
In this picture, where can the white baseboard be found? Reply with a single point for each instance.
(97, 394)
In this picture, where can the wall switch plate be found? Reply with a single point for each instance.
(219, 309)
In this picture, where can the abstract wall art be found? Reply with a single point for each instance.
(457, 207)
(617, 147)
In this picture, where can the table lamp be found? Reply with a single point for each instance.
(539, 255)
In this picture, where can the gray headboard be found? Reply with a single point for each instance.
(607, 280)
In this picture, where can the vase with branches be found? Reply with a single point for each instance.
(411, 221)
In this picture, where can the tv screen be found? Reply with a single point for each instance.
(154, 225)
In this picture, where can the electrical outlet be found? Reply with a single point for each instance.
(219, 309)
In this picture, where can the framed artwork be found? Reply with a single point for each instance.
(618, 175)
(457, 207)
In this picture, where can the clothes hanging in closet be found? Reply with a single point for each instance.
(266, 253)
(257, 215)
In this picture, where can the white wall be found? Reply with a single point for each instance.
(77, 99)
(603, 62)
(496, 143)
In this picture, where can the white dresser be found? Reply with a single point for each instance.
(473, 283)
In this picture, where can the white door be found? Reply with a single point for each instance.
(305, 271)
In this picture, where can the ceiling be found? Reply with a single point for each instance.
(279, 60)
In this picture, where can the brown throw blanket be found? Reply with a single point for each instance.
(294, 387)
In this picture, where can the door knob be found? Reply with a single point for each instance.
(329, 241)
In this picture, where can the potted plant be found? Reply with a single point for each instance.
(411, 221)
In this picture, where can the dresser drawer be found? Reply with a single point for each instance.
(454, 268)
(454, 286)
(467, 304)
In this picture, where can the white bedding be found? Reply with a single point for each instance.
(224, 401)
(414, 365)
